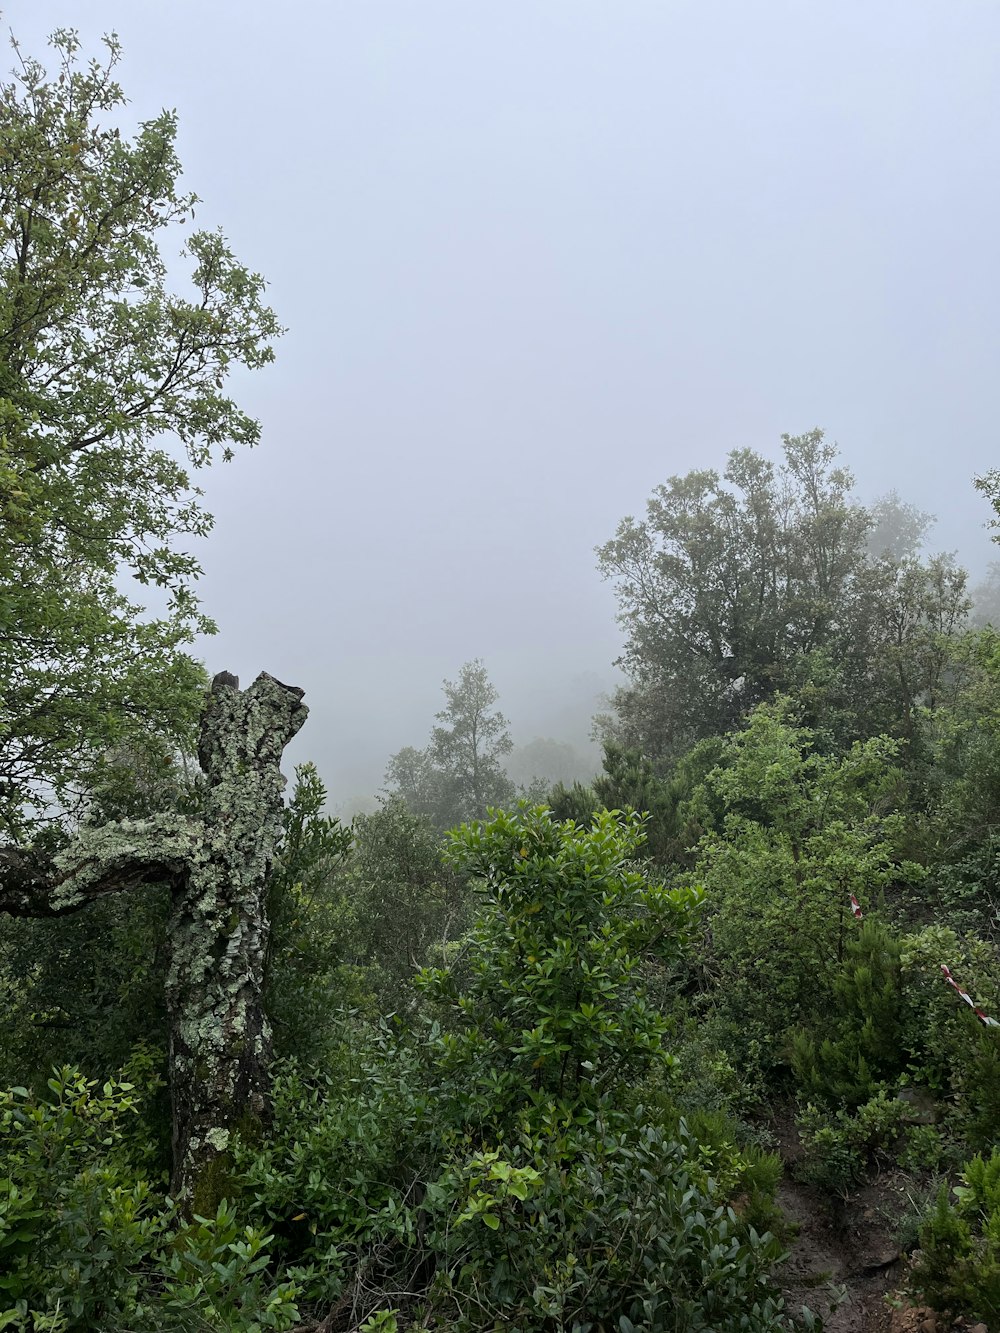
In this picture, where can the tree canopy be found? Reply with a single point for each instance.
(111, 392)
(732, 577)
(767, 579)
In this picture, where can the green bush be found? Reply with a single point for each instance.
(86, 1242)
(951, 1051)
(213, 1273)
(958, 1265)
(617, 1226)
(545, 1002)
(338, 1176)
(746, 1175)
(935, 1022)
(978, 1079)
(842, 1146)
(492, 1162)
(865, 1046)
(801, 831)
(311, 972)
(355, 913)
(84, 990)
(75, 1217)
(545, 1048)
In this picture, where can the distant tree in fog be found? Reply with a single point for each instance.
(548, 760)
(411, 775)
(460, 774)
(916, 609)
(986, 598)
(898, 528)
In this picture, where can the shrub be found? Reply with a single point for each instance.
(493, 1162)
(865, 1048)
(546, 1002)
(616, 1227)
(958, 1266)
(801, 832)
(83, 991)
(213, 1274)
(842, 1146)
(951, 1051)
(75, 1219)
(87, 1243)
(337, 1176)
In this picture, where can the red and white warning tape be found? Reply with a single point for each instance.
(967, 998)
(946, 973)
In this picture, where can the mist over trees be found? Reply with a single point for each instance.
(898, 529)
(547, 761)
(460, 774)
(742, 586)
(513, 1050)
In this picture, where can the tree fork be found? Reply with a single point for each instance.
(217, 866)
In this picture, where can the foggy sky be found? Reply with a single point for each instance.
(535, 257)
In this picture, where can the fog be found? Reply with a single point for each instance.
(534, 258)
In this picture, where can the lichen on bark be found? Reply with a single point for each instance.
(220, 1042)
(217, 867)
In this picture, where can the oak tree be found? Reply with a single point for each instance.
(774, 579)
(728, 581)
(112, 389)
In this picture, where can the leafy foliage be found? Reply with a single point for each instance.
(414, 905)
(84, 992)
(898, 529)
(495, 1163)
(355, 913)
(865, 1045)
(844, 1145)
(800, 833)
(87, 1241)
(729, 580)
(312, 923)
(962, 780)
(630, 781)
(550, 975)
(621, 1230)
(959, 1262)
(101, 361)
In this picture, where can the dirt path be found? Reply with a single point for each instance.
(844, 1250)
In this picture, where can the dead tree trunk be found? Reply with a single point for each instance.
(217, 866)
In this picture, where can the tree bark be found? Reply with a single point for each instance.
(220, 1040)
(217, 866)
(128, 854)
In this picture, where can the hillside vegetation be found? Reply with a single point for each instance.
(489, 1057)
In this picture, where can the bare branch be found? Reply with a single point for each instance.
(127, 855)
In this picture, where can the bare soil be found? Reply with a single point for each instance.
(844, 1259)
(842, 1255)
